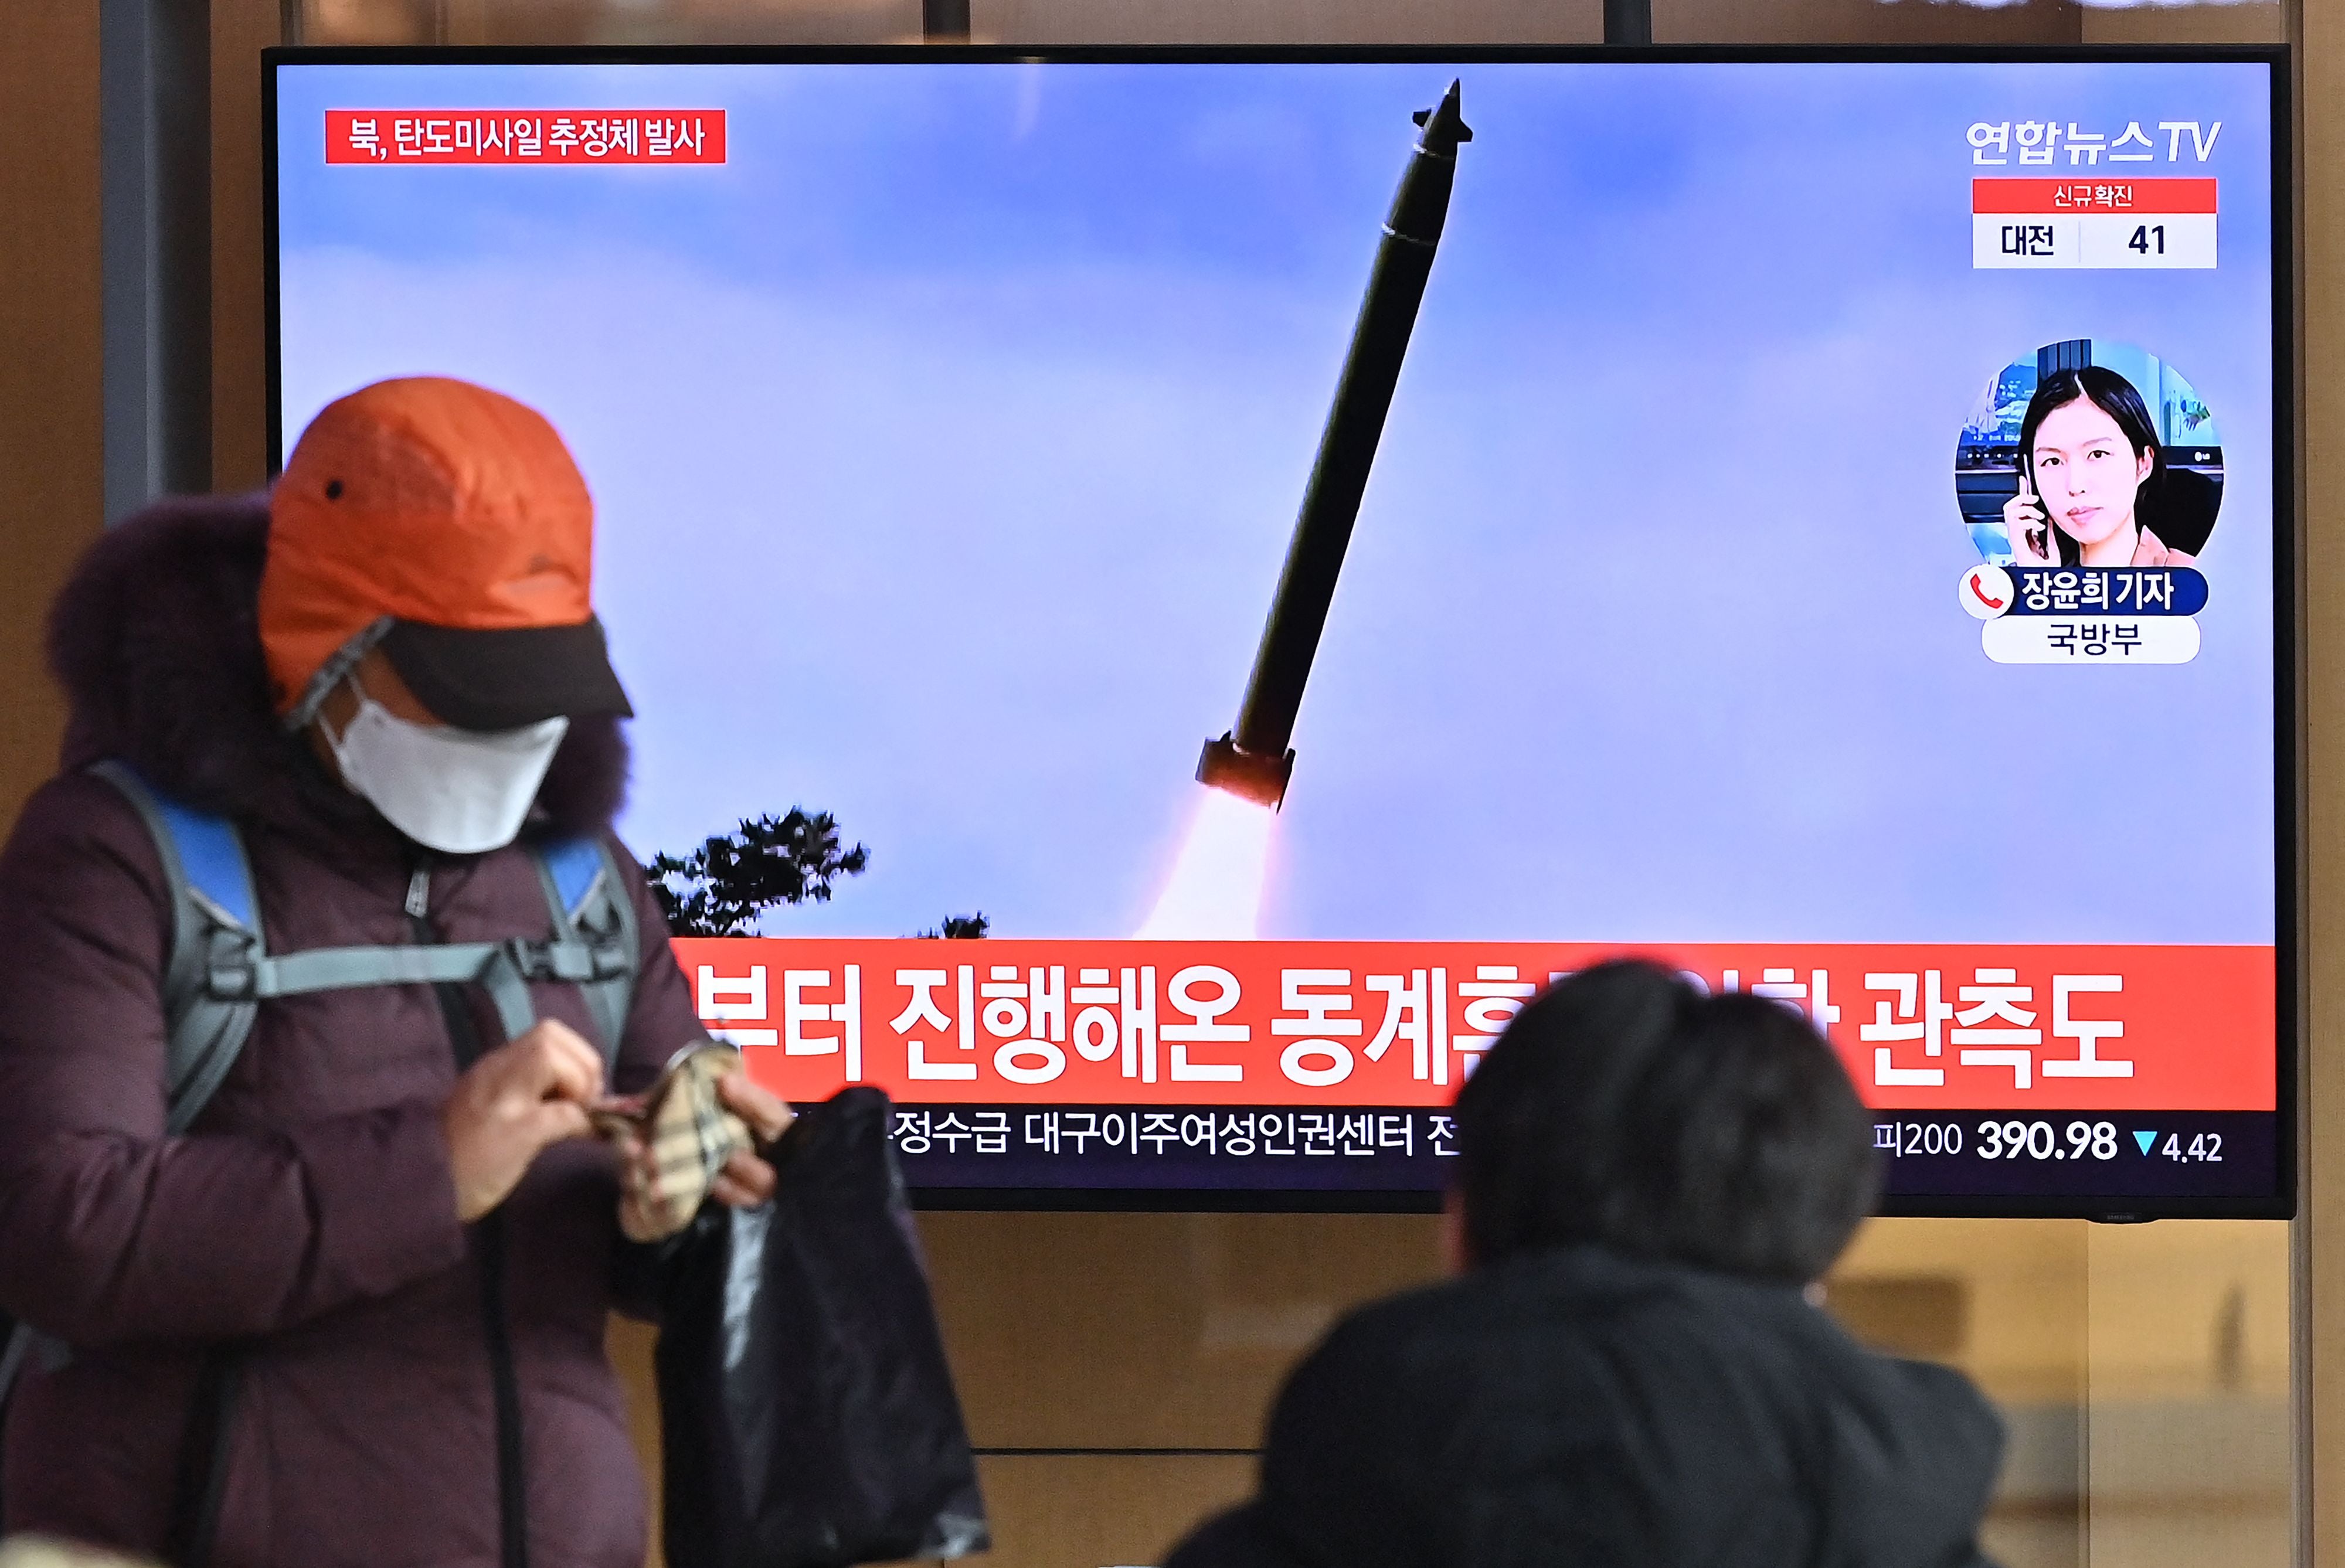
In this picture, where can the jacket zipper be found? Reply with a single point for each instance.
(489, 1243)
(201, 1483)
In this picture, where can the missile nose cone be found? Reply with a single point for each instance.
(1444, 127)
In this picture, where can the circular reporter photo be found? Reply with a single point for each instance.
(2091, 452)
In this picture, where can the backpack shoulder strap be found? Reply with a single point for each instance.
(216, 951)
(588, 901)
(215, 942)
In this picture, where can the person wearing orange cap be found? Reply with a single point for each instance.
(297, 1202)
(447, 528)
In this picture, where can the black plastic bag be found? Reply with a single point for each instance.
(807, 1416)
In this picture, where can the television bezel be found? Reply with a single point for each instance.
(2290, 923)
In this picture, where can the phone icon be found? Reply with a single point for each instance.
(1986, 591)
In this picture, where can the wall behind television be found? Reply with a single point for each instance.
(1105, 1334)
(50, 451)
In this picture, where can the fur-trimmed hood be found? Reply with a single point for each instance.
(156, 639)
(307, 1229)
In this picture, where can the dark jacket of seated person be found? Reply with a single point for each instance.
(1627, 1372)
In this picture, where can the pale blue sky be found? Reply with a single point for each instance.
(946, 441)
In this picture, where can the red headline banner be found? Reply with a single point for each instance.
(2156, 198)
(525, 135)
(1967, 1027)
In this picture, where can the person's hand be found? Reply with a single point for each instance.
(747, 1179)
(2029, 526)
(510, 1104)
(743, 1181)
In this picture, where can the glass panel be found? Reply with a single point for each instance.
(1862, 21)
(2144, 1371)
(1287, 22)
(1283, 21)
(1937, 22)
(2234, 22)
(551, 21)
(990, 21)
(2189, 1441)
(2143, 1374)
(1094, 1331)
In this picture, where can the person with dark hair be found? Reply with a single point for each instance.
(2089, 459)
(1627, 1370)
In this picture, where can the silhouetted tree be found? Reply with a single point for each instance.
(961, 925)
(721, 888)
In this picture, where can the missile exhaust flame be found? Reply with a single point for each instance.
(1215, 890)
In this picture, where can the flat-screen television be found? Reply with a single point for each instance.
(1167, 592)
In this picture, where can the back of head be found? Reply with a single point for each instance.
(1625, 1108)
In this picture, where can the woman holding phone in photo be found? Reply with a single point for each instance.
(2087, 454)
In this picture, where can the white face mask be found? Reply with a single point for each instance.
(463, 791)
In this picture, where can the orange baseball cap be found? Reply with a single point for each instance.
(448, 524)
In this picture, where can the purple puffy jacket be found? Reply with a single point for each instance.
(397, 1387)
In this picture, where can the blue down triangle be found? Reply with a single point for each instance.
(2145, 1139)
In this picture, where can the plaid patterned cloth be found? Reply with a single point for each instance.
(689, 1134)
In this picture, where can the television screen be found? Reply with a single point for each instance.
(1168, 594)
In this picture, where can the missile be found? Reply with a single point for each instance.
(1253, 760)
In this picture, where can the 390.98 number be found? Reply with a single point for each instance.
(2039, 1141)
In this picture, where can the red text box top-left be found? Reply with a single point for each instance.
(575, 137)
